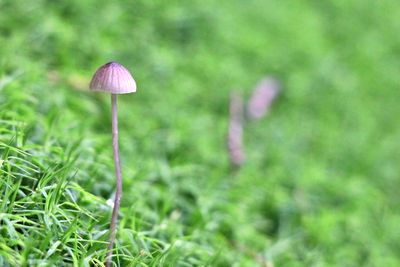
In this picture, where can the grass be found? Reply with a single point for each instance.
(319, 187)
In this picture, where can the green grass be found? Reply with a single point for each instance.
(320, 184)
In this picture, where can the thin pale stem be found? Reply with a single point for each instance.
(118, 192)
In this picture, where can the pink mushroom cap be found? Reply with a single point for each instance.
(113, 78)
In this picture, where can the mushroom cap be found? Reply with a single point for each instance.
(113, 78)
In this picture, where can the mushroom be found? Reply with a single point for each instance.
(115, 79)
(235, 131)
(264, 94)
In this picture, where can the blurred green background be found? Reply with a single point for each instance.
(320, 183)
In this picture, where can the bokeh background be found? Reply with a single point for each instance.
(320, 183)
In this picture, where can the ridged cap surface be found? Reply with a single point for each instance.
(113, 78)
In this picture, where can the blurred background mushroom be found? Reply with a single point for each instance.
(263, 95)
(235, 131)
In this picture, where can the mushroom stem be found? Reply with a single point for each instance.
(118, 193)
